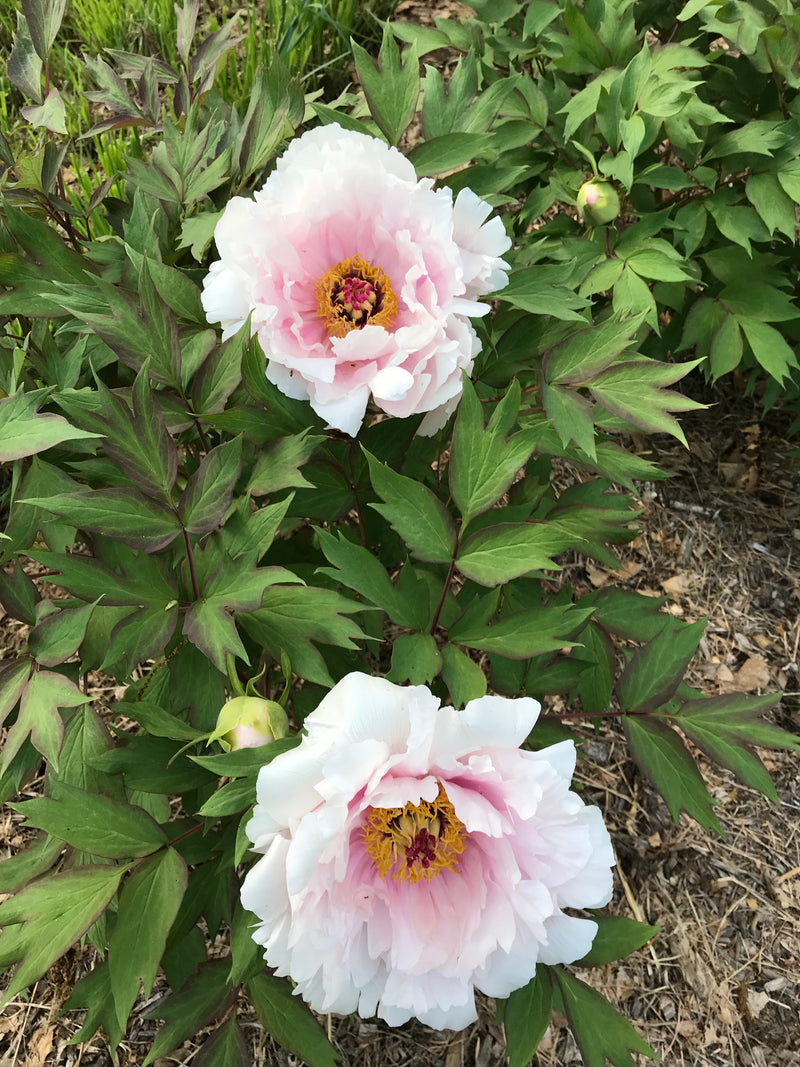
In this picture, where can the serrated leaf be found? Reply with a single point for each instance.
(484, 462)
(151, 895)
(39, 717)
(497, 554)
(526, 1016)
(24, 433)
(203, 998)
(533, 290)
(601, 1032)
(44, 18)
(665, 760)
(656, 669)
(414, 512)
(727, 728)
(289, 1021)
(616, 938)
(54, 912)
(93, 992)
(209, 492)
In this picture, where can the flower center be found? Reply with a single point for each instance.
(419, 840)
(354, 294)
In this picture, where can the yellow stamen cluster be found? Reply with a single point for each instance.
(354, 294)
(417, 841)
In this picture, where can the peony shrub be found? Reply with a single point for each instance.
(281, 534)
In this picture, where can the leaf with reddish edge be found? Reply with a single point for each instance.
(727, 728)
(44, 694)
(655, 670)
(665, 760)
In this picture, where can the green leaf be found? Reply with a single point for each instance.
(759, 136)
(19, 869)
(51, 114)
(414, 512)
(148, 905)
(584, 354)
(44, 18)
(628, 614)
(232, 587)
(616, 938)
(497, 554)
(665, 760)
(571, 416)
(391, 88)
(122, 514)
(93, 992)
(157, 721)
(209, 492)
(13, 680)
(224, 1048)
(601, 1032)
(462, 676)
(416, 659)
(278, 465)
(357, 568)
(58, 636)
(24, 433)
(770, 349)
(536, 291)
(765, 193)
(635, 391)
(523, 634)
(94, 823)
(727, 728)
(86, 738)
(451, 150)
(289, 1021)
(38, 716)
(656, 669)
(53, 913)
(203, 998)
(290, 618)
(526, 1016)
(789, 178)
(24, 64)
(219, 375)
(484, 462)
(245, 762)
(230, 798)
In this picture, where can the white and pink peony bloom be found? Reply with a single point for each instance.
(360, 279)
(413, 854)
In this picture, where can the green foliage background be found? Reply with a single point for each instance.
(190, 515)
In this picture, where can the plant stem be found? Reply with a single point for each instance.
(190, 561)
(446, 588)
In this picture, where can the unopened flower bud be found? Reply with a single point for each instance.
(247, 722)
(598, 202)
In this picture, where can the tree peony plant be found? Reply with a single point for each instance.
(413, 854)
(360, 279)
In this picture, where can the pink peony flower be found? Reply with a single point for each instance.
(413, 854)
(360, 279)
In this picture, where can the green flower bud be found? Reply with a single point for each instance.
(598, 202)
(247, 722)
